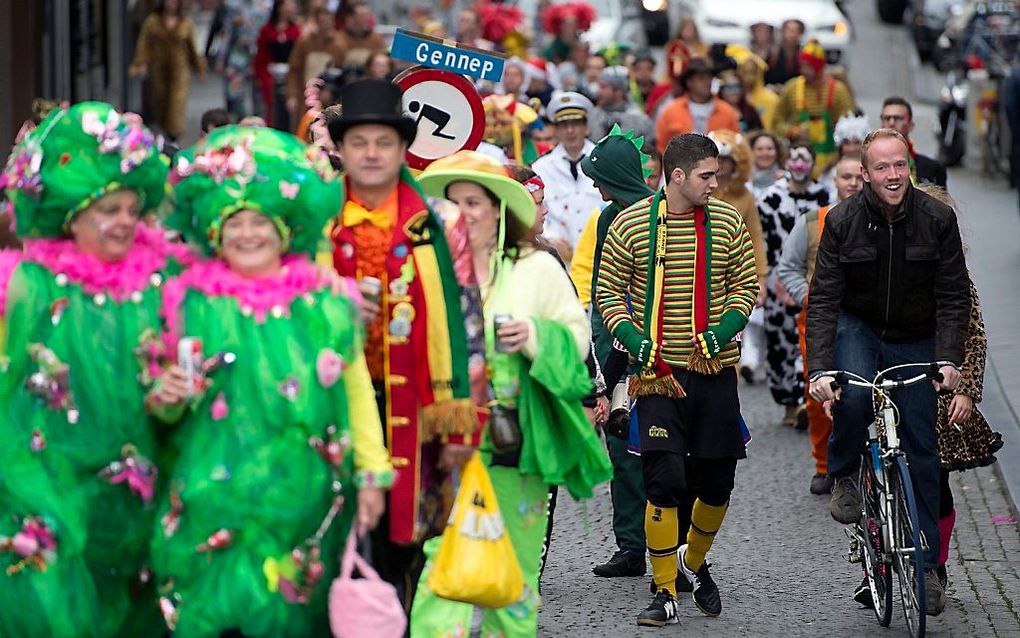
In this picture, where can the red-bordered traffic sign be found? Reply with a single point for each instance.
(448, 110)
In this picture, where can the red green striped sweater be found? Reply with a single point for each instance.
(624, 266)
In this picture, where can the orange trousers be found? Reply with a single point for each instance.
(819, 425)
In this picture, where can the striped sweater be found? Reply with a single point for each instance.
(624, 266)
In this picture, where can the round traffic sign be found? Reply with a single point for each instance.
(448, 111)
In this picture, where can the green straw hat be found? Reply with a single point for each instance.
(75, 156)
(238, 168)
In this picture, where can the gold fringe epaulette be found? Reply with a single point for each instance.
(444, 418)
(649, 385)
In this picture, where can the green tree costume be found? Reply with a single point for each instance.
(269, 457)
(78, 479)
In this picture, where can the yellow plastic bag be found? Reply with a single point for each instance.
(476, 562)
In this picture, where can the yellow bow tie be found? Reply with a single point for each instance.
(355, 213)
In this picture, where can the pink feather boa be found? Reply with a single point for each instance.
(116, 279)
(9, 260)
(259, 295)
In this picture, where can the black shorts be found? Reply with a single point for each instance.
(704, 424)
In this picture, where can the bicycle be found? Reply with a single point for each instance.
(888, 538)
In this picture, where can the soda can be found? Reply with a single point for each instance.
(499, 321)
(371, 289)
(189, 358)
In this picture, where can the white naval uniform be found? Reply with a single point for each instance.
(570, 201)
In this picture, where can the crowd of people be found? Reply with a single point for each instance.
(220, 362)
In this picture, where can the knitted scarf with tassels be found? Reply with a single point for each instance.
(648, 382)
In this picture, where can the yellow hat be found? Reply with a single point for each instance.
(472, 166)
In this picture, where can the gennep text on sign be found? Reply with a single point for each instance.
(447, 56)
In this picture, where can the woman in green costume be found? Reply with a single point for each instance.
(536, 372)
(81, 307)
(280, 447)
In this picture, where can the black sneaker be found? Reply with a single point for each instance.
(705, 592)
(661, 611)
(862, 594)
(623, 563)
(821, 484)
(683, 586)
(845, 506)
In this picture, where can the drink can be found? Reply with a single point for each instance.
(371, 289)
(189, 358)
(497, 322)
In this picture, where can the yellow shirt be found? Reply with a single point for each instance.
(583, 261)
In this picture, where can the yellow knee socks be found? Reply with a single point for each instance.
(705, 522)
(661, 532)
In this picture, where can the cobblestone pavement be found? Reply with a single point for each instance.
(779, 559)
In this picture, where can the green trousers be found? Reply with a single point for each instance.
(628, 492)
(523, 501)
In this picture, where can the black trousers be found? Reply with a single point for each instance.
(672, 480)
(399, 565)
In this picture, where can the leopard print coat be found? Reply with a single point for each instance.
(963, 446)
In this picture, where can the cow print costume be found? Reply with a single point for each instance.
(779, 209)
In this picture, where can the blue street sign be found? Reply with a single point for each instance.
(447, 55)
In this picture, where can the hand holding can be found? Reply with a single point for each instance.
(498, 321)
(189, 358)
(371, 298)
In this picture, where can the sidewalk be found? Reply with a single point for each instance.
(991, 228)
(984, 563)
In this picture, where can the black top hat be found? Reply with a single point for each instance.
(372, 102)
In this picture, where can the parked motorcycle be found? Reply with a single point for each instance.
(952, 133)
(980, 43)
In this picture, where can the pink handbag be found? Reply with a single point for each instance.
(366, 606)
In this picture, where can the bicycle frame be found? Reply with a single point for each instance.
(889, 491)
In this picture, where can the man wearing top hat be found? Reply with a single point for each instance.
(570, 195)
(415, 344)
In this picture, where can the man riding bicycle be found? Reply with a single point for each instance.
(890, 287)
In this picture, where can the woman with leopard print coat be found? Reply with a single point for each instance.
(965, 439)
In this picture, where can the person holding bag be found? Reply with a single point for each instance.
(537, 337)
(281, 447)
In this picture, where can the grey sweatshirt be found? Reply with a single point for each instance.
(792, 267)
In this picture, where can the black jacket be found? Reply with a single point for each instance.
(906, 279)
(930, 171)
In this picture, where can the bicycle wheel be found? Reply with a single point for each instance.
(869, 531)
(908, 554)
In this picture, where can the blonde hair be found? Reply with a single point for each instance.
(938, 193)
(880, 134)
(942, 196)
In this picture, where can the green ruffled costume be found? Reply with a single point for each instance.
(74, 534)
(269, 458)
(253, 472)
(102, 530)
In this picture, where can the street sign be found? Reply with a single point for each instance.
(448, 111)
(447, 55)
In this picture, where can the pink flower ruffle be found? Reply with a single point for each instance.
(257, 295)
(9, 260)
(117, 279)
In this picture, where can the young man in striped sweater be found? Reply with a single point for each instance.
(686, 262)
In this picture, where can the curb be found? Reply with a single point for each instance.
(1007, 421)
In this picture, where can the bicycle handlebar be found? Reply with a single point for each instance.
(843, 378)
